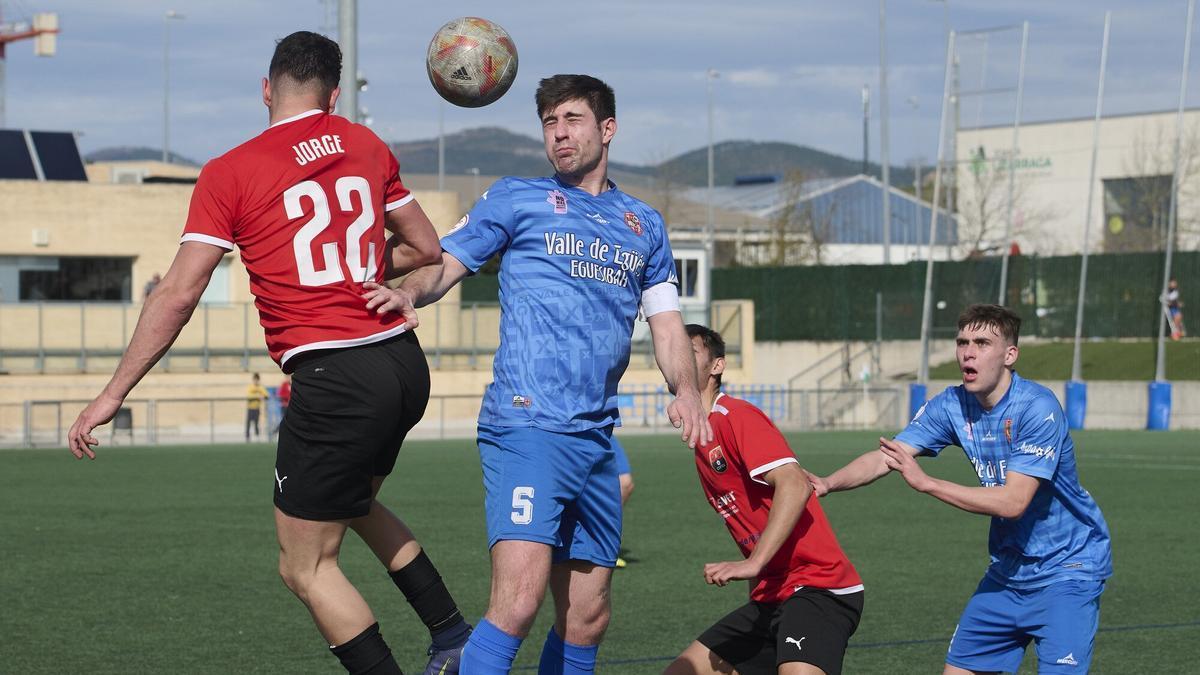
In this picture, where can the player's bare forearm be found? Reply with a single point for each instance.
(866, 469)
(164, 314)
(787, 505)
(430, 283)
(1002, 501)
(673, 352)
(677, 361)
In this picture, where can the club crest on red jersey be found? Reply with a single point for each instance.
(716, 459)
(633, 223)
(557, 199)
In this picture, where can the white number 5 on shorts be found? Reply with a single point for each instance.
(522, 502)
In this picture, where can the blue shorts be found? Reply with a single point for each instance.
(559, 489)
(622, 461)
(999, 622)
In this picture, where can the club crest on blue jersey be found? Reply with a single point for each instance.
(522, 401)
(716, 459)
(633, 222)
(1008, 430)
(557, 199)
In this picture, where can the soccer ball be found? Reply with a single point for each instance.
(471, 62)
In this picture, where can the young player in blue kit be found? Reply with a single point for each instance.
(579, 257)
(1049, 544)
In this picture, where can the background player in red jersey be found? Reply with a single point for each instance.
(309, 202)
(805, 596)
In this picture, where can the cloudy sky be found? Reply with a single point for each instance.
(790, 70)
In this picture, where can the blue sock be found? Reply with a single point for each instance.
(489, 651)
(560, 657)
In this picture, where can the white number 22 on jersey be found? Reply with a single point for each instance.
(331, 269)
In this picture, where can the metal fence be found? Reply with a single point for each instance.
(89, 337)
(837, 302)
(197, 421)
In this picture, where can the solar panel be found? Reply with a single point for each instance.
(59, 155)
(15, 162)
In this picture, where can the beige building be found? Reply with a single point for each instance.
(75, 258)
(1131, 193)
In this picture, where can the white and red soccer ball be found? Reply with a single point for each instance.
(471, 62)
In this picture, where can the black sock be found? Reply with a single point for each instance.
(422, 586)
(367, 654)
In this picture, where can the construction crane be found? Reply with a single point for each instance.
(43, 29)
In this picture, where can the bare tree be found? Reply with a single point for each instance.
(982, 201)
(1142, 201)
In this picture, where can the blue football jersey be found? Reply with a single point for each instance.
(572, 272)
(1062, 535)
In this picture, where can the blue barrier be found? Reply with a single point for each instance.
(916, 398)
(1076, 404)
(1158, 413)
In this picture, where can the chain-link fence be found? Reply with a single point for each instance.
(838, 302)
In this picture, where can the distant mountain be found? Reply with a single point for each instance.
(499, 152)
(492, 150)
(732, 159)
(127, 153)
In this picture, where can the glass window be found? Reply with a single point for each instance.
(76, 279)
(688, 271)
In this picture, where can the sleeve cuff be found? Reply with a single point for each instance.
(755, 473)
(207, 239)
(392, 206)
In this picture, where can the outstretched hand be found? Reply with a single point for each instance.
(382, 299)
(79, 437)
(898, 459)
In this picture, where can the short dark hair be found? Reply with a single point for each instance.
(714, 344)
(305, 58)
(1004, 320)
(558, 89)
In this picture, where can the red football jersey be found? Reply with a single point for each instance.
(304, 201)
(745, 446)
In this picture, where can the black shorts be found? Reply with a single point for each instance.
(349, 413)
(813, 626)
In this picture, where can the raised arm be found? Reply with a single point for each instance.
(673, 352)
(164, 314)
(792, 491)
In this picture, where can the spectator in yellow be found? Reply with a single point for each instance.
(256, 396)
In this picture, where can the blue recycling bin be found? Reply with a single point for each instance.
(1158, 413)
(1076, 404)
(916, 398)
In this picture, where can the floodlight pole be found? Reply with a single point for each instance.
(884, 155)
(709, 225)
(348, 40)
(927, 305)
(166, 145)
(1012, 158)
(1077, 359)
(1160, 362)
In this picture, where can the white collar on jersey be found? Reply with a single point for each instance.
(293, 118)
(715, 407)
